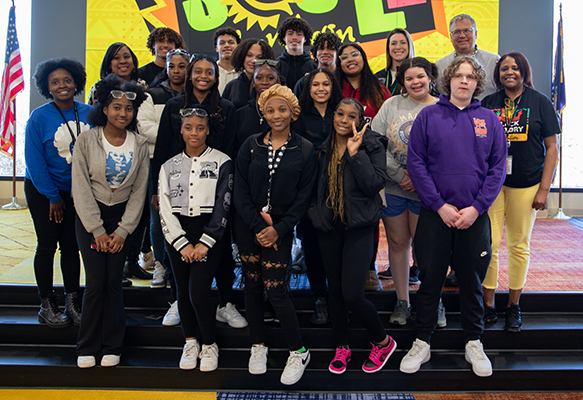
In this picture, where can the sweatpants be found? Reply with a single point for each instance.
(468, 252)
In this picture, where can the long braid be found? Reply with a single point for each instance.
(335, 199)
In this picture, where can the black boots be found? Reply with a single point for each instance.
(73, 307)
(50, 313)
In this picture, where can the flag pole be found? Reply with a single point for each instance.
(560, 214)
(13, 205)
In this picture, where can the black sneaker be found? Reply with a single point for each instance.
(513, 319)
(490, 315)
(385, 274)
(320, 316)
(414, 275)
(132, 268)
(451, 279)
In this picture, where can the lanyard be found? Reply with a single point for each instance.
(73, 137)
(274, 157)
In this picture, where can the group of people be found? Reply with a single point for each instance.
(246, 149)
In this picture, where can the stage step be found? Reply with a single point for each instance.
(546, 356)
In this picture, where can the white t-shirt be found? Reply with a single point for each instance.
(118, 159)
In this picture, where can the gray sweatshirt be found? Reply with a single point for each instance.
(90, 186)
(394, 120)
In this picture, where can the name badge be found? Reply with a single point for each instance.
(509, 165)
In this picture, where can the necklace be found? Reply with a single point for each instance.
(510, 107)
(259, 114)
(273, 159)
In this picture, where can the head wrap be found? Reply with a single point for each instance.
(280, 92)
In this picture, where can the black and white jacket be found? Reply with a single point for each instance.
(190, 187)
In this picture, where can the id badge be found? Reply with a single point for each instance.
(509, 165)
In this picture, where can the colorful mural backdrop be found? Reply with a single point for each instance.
(364, 21)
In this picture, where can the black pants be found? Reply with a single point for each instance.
(347, 255)
(225, 275)
(468, 252)
(141, 241)
(267, 269)
(102, 326)
(48, 234)
(316, 271)
(193, 282)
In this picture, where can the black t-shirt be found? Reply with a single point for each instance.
(534, 119)
(149, 72)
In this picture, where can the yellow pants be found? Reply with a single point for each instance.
(514, 205)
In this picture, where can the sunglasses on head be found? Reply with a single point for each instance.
(177, 51)
(199, 112)
(117, 94)
(262, 61)
(200, 56)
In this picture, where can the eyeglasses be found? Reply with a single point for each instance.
(200, 56)
(199, 112)
(354, 54)
(118, 94)
(466, 32)
(262, 61)
(177, 51)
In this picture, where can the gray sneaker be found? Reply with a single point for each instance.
(401, 313)
(441, 320)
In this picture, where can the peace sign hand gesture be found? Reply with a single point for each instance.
(356, 140)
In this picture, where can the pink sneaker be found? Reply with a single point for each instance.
(379, 356)
(340, 361)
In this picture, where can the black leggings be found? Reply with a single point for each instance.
(267, 269)
(194, 280)
(48, 234)
(103, 325)
(346, 255)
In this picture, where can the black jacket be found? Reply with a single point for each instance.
(162, 93)
(364, 176)
(291, 186)
(294, 67)
(239, 91)
(248, 123)
(169, 141)
(312, 126)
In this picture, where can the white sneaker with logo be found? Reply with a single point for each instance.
(475, 355)
(146, 260)
(420, 353)
(258, 359)
(231, 316)
(209, 357)
(172, 317)
(159, 278)
(189, 355)
(295, 367)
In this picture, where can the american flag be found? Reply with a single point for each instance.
(12, 84)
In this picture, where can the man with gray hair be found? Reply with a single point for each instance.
(463, 33)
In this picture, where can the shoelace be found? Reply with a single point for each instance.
(294, 359)
(206, 352)
(190, 350)
(376, 351)
(257, 353)
(341, 355)
(478, 352)
(415, 350)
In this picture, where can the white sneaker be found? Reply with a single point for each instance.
(295, 367)
(110, 360)
(420, 353)
(85, 361)
(172, 316)
(441, 319)
(475, 355)
(258, 359)
(231, 316)
(209, 357)
(159, 279)
(147, 260)
(189, 355)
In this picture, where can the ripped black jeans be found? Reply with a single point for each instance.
(266, 269)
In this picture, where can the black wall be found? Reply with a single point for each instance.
(58, 30)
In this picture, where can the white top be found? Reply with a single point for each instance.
(226, 77)
(118, 159)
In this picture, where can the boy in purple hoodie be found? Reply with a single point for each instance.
(457, 163)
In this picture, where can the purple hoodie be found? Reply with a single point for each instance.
(457, 156)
